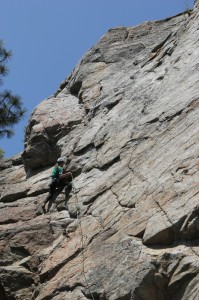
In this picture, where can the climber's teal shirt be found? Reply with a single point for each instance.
(56, 171)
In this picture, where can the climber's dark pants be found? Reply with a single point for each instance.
(58, 183)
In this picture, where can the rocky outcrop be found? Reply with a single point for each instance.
(127, 121)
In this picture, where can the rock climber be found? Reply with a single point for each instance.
(60, 178)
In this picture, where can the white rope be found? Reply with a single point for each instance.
(82, 238)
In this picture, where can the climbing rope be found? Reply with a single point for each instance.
(82, 237)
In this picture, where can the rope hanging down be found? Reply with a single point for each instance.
(82, 238)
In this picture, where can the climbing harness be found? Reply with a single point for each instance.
(74, 191)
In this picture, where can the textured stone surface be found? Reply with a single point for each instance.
(127, 121)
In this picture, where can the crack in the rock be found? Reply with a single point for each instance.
(84, 149)
(136, 141)
(52, 272)
(187, 109)
(109, 105)
(194, 252)
(67, 288)
(110, 163)
(116, 196)
(166, 118)
(14, 197)
(165, 213)
(155, 51)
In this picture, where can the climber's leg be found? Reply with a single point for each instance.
(52, 188)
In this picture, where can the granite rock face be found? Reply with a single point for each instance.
(127, 121)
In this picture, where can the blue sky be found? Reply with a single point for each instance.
(48, 38)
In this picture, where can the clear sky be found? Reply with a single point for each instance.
(49, 37)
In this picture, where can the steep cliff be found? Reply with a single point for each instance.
(127, 121)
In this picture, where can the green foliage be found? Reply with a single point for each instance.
(11, 107)
(1, 153)
(4, 56)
